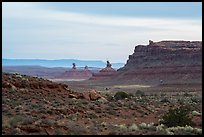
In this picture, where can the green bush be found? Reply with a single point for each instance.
(109, 97)
(177, 117)
(196, 99)
(131, 95)
(165, 100)
(15, 120)
(121, 95)
(187, 95)
(139, 93)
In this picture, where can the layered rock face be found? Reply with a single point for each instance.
(165, 60)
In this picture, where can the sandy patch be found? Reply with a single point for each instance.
(131, 86)
(57, 80)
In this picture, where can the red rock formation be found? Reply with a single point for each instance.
(11, 82)
(104, 73)
(166, 60)
(92, 95)
(74, 73)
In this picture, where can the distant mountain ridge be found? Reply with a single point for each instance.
(58, 63)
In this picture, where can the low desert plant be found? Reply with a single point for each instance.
(181, 101)
(48, 122)
(131, 95)
(196, 99)
(187, 95)
(112, 112)
(133, 127)
(177, 117)
(142, 126)
(15, 120)
(108, 96)
(169, 132)
(160, 127)
(28, 120)
(121, 95)
(103, 124)
(122, 126)
(139, 93)
(165, 100)
(13, 89)
(187, 130)
(195, 113)
(197, 131)
(163, 94)
(151, 126)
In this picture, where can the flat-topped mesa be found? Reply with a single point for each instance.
(166, 53)
(165, 58)
(176, 44)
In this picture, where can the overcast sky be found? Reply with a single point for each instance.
(94, 31)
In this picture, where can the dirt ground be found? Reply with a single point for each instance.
(36, 106)
(109, 86)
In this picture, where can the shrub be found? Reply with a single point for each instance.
(196, 99)
(121, 95)
(139, 93)
(109, 97)
(195, 113)
(15, 120)
(198, 131)
(13, 89)
(187, 95)
(160, 127)
(165, 100)
(122, 126)
(143, 126)
(177, 117)
(131, 95)
(151, 126)
(28, 120)
(181, 101)
(187, 130)
(133, 127)
(112, 112)
(48, 122)
(163, 94)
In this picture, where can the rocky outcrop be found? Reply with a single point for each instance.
(16, 83)
(93, 95)
(75, 73)
(104, 73)
(164, 60)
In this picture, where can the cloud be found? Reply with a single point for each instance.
(27, 11)
(51, 34)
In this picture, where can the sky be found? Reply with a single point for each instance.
(94, 31)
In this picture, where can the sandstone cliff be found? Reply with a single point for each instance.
(168, 61)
